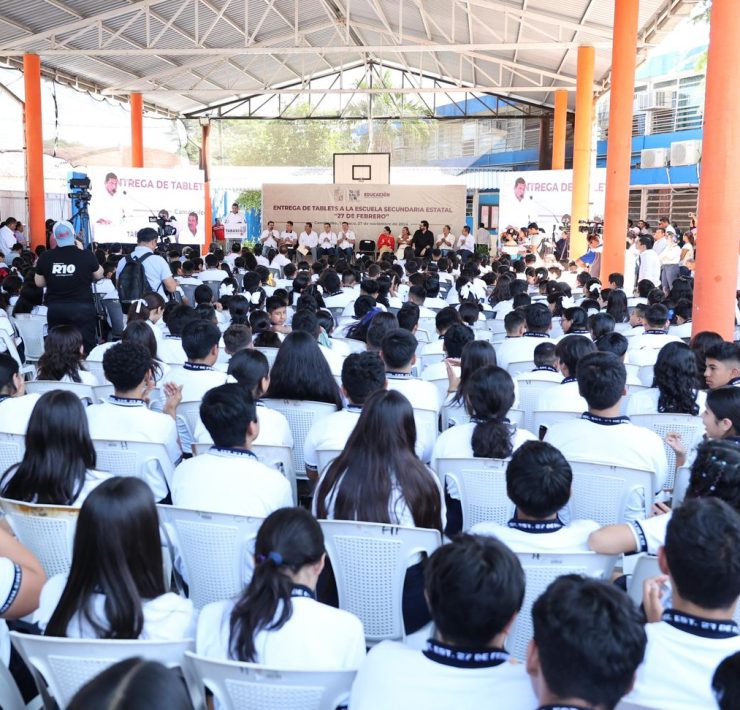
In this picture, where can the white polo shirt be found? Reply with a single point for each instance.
(540, 374)
(646, 401)
(330, 432)
(518, 349)
(169, 350)
(15, 413)
(269, 238)
(422, 395)
(327, 240)
(563, 398)
(130, 420)
(316, 637)
(650, 340)
(340, 299)
(650, 533)
(682, 654)
(274, 429)
(168, 617)
(230, 481)
(212, 275)
(540, 536)
(397, 677)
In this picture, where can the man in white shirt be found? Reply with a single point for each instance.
(106, 211)
(327, 241)
(125, 414)
(7, 237)
(234, 223)
(231, 257)
(156, 269)
(701, 561)
(196, 376)
(362, 374)
(270, 236)
(308, 240)
(346, 241)
(539, 324)
(445, 242)
(474, 587)
(602, 435)
(588, 642)
(229, 478)
(538, 482)
(519, 211)
(648, 262)
(566, 396)
(289, 238)
(465, 244)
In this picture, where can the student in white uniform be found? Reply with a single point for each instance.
(62, 358)
(602, 435)
(277, 621)
(58, 465)
(125, 414)
(379, 479)
(475, 355)
(674, 388)
(212, 272)
(538, 482)
(539, 324)
(589, 640)
(305, 320)
(444, 320)
(643, 349)
(116, 586)
(15, 405)
(228, 478)
(170, 349)
(362, 374)
(566, 396)
(722, 365)
(545, 365)
(701, 560)
(453, 342)
(475, 588)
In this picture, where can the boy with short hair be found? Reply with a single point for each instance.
(722, 365)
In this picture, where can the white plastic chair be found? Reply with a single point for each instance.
(548, 418)
(355, 346)
(12, 350)
(10, 696)
(429, 359)
(281, 459)
(131, 458)
(12, 448)
(680, 485)
(529, 392)
(325, 457)
(541, 569)
(96, 368)
(482, 487)
(516, 417)
(601, 492)
(369, 561)
(102, 392)
(215, 549)
(189, 413)
(645, 567)
(248, 686)
(301, 416)
(67, 664)
(47, 530)
(83, 391)
(646, 373)
(33, 330)
(519, 367)
(270, 354)
(454, 414)
(688, 426)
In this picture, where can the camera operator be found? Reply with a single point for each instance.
(168, 230)
(591, 260)
(157, 271)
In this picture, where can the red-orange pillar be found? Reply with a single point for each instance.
(559, 129)
(582, 148)
(619, 146)
(205, 160)
(717, 246)
(34, 150)
(137, 130)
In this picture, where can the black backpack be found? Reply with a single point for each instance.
(132, 281)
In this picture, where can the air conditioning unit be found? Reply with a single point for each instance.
(685, 152)
(654, 158)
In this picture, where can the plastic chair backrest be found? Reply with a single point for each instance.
(301, 416)
(430, 359)
(681, 484)
(529, 392)
(215, 548)
(215, 286)
(541, 569)
(12, 350)
(96, 368)
(130, 458)
(548, 418)
(688, 426)
(47, 530)
(452, 415)
(519, 367)
(189, 291)
(281, 459)
(646, 566)
(66, 664)
(355, 346)
(369, 561)
(646, 373)
(83, 391)
(32, 330)
(248, 686)
(482, 487)
(189, 413)
(10, 696)
(601, 492)
(516, 417)
(270, 354)
(12, 448)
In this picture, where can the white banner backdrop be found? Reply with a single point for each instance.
(367, 208)
(123, 199)
(544, 196)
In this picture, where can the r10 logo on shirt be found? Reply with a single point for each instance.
(63, 268)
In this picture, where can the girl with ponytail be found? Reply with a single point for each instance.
(277, 620)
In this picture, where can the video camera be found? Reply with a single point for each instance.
(590, 227)
(80, 189)
(164, 226)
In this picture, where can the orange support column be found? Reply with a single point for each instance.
(559, 129)
(582, 148)
(717, 246)
(34, 150)
(137, 130)
(205, 166)
(619, 146)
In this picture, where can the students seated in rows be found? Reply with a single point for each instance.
(574, 321)
(715, 473)
(674, 388)
(277, 621)
(379, 479)
(602, 435)
(538, 482)
(722, 365)
(545, 365)
(125, 416)
(170, 349)
(362, 374)
(474, 588)
(399, 355)
(515, 323)
(643, 349)
(444, 320)
(588, 642)
(538, 326)
(453, 343)
(15, 405)
(116, 588)
(566, 397)
(686, 642)
(381, 324)
(62, 358)
(229, 478)
(475, 355)
(58, 465)
(306, 321)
